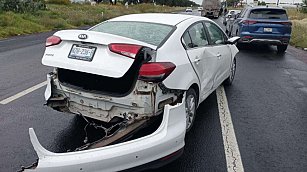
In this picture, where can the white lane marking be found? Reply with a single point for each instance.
(22, 93)
(232, 153)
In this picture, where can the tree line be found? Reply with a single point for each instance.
(181, 3)
(23, 6)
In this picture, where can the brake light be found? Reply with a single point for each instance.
(128, 50)
(248, 37)
(156, 71)
(286, 23)
(248, 22)
(53, 40)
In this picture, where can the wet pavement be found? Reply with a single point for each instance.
(267, 102)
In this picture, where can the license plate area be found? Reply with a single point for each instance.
(82, 52)
(267, 29)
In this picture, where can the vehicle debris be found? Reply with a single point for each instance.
(167, 139)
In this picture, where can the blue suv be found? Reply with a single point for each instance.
(263, 25)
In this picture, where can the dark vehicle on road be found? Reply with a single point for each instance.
(263, 25)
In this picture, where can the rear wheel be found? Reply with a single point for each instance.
(231, 77)
(281, 48)
(190, 108)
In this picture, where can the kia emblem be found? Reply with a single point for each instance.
(82, 36)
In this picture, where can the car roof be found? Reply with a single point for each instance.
(161, 18)
(265, 7)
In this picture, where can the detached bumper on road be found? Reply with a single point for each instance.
(166, 140)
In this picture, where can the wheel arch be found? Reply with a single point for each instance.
(197, 90)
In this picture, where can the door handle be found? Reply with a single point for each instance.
(196, 59)
(219, 55)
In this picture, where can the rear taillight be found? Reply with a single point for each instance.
(53, 40)
(248, 37)
(249, 22)
(128, 50)
(156, 71)
(286, 23)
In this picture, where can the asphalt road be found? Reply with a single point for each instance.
(267, 103)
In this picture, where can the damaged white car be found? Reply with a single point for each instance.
(127, 71)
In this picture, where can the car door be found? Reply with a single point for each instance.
(196, 42)
(236, 23)
(220, 50)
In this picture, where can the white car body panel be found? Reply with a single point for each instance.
(234, 50)
(204, 63)
(223, 56)
(167, 139)
(171, 52)
(104, 61)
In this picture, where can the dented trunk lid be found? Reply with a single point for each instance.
(101, 62)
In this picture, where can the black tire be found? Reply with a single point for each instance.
(191, 101)
(231, 77)
(281, 48)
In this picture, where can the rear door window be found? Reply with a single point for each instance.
(195, 36)
(151, 33)
(268, 14)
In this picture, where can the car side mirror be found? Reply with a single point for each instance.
(233, 40)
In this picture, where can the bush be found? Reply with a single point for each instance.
(60, 2)
(262, 3)
(22, 6)
(304, 10)
(299, 35)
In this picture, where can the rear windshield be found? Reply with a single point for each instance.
(268, 14)
(150, 33)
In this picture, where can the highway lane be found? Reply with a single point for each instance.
(267, 102)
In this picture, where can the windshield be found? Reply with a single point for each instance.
(268, 14)
(150, 33)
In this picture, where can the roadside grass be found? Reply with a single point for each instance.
(299, 28)
(68, 16)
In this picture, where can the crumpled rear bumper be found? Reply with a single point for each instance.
(167, 139)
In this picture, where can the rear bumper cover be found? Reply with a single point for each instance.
(271, 39)
(167, 139)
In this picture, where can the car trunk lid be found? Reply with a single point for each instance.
(88, 51)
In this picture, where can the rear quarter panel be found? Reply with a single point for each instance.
(173, 51)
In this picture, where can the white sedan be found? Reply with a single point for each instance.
(188, 10)
(130, 70)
